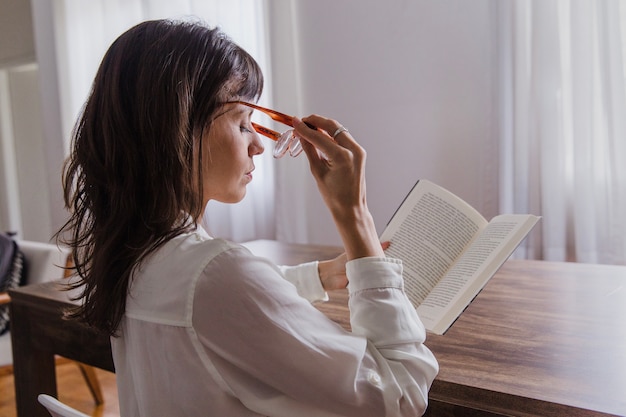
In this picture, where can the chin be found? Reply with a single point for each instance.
(230, 195)
(233, 199)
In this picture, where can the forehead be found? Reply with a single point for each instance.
(233, 111)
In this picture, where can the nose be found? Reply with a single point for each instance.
(256, 146)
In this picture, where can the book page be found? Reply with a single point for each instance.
(429, 231)
(474, 268)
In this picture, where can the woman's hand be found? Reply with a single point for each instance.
(332, 272)
(338, 166)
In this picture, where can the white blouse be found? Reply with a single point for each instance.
(212, 330)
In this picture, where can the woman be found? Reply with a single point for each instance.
(200, 326)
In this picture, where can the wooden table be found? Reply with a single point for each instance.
(38, 333)
(542, 339)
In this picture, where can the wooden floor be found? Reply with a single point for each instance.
(72, 390)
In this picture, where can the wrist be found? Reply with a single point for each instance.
(358, 233)
(322, 272)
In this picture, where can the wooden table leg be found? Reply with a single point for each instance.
(33, 365)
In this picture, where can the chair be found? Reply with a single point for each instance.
(44, 262)
(56, 408)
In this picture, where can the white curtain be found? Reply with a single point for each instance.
(85, 29)
(563, 130)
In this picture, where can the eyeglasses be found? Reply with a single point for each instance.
(287, 141)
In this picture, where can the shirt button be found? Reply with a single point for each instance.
(374, 378)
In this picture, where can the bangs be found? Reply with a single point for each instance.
(248, 81)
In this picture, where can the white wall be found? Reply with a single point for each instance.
(16, 33)
(24, 160)
(413, 80)
(31, 156)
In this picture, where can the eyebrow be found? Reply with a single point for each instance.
(237, 109)
(240, 108)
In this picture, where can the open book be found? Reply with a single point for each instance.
(449, 251)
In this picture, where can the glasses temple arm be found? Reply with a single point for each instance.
(269, 133)
(275, 115)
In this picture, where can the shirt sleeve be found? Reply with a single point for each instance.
(281, 356)
(306, 279)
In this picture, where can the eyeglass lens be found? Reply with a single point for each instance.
(288, 141)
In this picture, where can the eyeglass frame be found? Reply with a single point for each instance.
(286, 141)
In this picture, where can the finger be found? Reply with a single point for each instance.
(320, 137)
(333, 128)
(318, 161)
(320, 151)
(311, 153)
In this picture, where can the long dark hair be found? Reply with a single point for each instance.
(133, 178)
